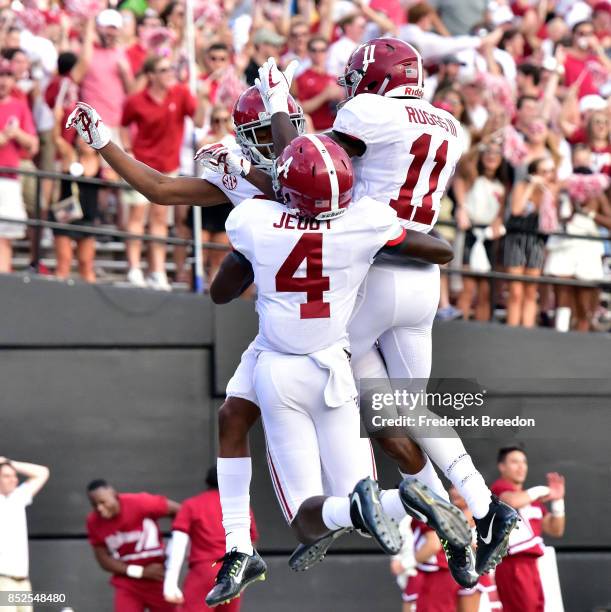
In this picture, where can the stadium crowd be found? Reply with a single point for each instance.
(530, 82)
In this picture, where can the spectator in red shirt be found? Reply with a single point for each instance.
(199, 522)
(138, 52)
(127, 542)
(316, 89)
(517, 577)
(158, 114)
(586, 61)
(62, 92)
(216, 61)
(601, 19)
(17, 137)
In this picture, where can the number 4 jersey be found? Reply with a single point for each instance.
(308, 272)
(412, 151)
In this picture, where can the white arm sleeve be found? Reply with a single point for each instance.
(358, 119)
(433, 46)
(238, 228)
(178, 550)
(439, 46)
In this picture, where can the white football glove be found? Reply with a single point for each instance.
(172, 593)
(86, 121)
(218, 158)
(274, 85)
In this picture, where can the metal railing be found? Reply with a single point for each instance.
(38, 223)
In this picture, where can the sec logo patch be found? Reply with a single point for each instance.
(230, 182)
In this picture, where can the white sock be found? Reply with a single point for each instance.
(428, 476)
(450, 455)
(392, 505)
(336, 512)
(234, 476)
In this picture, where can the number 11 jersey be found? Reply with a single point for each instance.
(412, 151)
(308, 272)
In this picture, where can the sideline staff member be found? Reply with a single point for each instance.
(14, 498)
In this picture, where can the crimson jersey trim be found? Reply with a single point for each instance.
(398, 240)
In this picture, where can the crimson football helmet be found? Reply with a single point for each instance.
(314, 177)
(249, 117)
(384, 66)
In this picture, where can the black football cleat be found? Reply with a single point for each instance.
(237, 572)
(368, 515)
(446, 519)
(307, 555)
(493, 535)
(461, 563)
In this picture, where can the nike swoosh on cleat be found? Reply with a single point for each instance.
(356, 499)
(240, 573)
(488, 538)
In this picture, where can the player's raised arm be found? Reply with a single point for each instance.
(420, 246)
(274, 87)
(218, 158)
(155, 186)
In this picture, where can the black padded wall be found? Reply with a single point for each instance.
(124, 384)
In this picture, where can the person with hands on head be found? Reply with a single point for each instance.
(127, 542)
(14, 498)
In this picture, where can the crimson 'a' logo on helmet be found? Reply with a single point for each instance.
(253, 127)
(314, 177)
(384, 66)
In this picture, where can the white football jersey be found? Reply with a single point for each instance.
(236, 188)
(307, 272)
(412, 151)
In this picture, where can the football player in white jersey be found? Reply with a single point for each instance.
(240, 409)
(404, 152)
(308, 257)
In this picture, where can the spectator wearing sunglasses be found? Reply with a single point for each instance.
(316, 89)
(157, 113)
(216, 60)
(298, 47)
